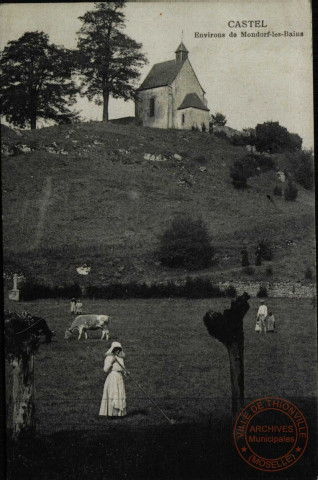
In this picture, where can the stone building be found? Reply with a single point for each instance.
(171, 96)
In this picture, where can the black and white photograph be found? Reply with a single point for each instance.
(158, 240)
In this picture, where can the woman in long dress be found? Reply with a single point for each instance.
(114, 394)
(73, 303)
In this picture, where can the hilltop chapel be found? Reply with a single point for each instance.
(171, 96)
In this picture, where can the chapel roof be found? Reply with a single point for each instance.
(182, 48)
(194, 101)
(161, 74)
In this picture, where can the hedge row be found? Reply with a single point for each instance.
(32, 291)
(193, 288)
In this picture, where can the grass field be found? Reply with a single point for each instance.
(103, 204)
(170, 353)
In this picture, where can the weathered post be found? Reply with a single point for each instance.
(227, 327)
(14, 294)
(22, 337)
(23, 393)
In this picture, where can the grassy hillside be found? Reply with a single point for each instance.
(85, 194)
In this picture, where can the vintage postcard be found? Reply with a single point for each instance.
(159, 240)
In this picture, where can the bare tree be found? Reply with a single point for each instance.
(227, 327)
(22, 338)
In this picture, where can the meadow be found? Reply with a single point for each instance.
(170, 353)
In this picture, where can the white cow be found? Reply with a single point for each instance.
(89, 322)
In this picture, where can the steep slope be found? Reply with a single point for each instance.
(91, 194)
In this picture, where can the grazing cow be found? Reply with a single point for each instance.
(89, 322)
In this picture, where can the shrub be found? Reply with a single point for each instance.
(309, 273)
(291, 191)
(265, 162)
(273, 138)
(31, 291)
(262, 293)
(230, 291)
(239, 140)
(301, 166)
(221, 135)
(218, 120)
(200, 288)
(278, 191)
(186, 243)
(249, 270)
(269, 271)
(304, 172)
(266, 250)
(240, 172)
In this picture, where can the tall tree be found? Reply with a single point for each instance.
(109, 60)
(36, 81)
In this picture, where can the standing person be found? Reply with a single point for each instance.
(114, 394)
(261, 315)
(78, 307)
(244, 253)
(258, 256)
(270, 323)
(73, 304)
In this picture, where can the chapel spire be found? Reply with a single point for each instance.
(181, 53)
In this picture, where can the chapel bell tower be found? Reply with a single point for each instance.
(181, 53)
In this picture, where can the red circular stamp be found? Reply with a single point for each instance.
(271, 434)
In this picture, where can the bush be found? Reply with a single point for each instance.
(218, 120)
(265, 162)
(186, 243)
(241, 171)
(200, 288)
(301, 166)
(32, 291)
(247, 137)
(278, 191)
(269, 271)
(249, 270)
(273, 138)
(239, 140)
(230, 291)
(266, 250)
(262, 293)
(309, 273)
(291, 191)
(221, 135)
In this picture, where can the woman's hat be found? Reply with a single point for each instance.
(113, 346)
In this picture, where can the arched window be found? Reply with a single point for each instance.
(152, 107)
(183, 118)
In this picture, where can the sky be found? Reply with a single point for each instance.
(250, 80)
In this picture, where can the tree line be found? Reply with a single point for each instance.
(40, 80)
